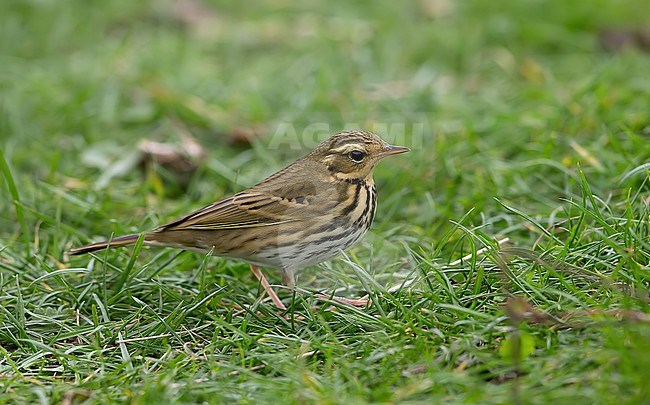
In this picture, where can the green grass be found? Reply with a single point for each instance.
(522, 127)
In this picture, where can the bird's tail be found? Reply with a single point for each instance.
(119, 241)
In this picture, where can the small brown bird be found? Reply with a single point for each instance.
(304, 214)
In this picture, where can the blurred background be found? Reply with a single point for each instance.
(121, 109)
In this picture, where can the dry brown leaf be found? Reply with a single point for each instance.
(518, 309)
(243, 136)
(618, 39)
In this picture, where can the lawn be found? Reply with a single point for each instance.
(509, 258)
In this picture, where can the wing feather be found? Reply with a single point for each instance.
(274, 201)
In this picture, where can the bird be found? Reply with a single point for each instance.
(302, 215)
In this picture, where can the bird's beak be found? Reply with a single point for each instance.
(394, 150)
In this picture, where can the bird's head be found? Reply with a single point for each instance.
(354, 154)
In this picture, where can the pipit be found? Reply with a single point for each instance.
(304, 214)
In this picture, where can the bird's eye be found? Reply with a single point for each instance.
(356, 155)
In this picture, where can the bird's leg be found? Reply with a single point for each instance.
(267, 287)
(289, 281)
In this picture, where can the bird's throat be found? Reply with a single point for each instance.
(356, 181)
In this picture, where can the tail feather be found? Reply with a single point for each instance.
(119, 241)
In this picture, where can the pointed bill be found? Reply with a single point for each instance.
(394, 150)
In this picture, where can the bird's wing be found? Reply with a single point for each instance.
(258, 207)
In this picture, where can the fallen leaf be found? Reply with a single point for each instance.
(243, 136)
(437, 8)
(613, 39)
(531, 71)
(181, 159)
(618, 39)
(518, 309)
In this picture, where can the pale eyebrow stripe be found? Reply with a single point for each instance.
(348, 146)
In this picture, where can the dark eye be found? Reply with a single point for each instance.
(356, 155)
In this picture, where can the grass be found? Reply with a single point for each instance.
(522, 127)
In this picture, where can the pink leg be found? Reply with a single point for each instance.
(267, 287)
